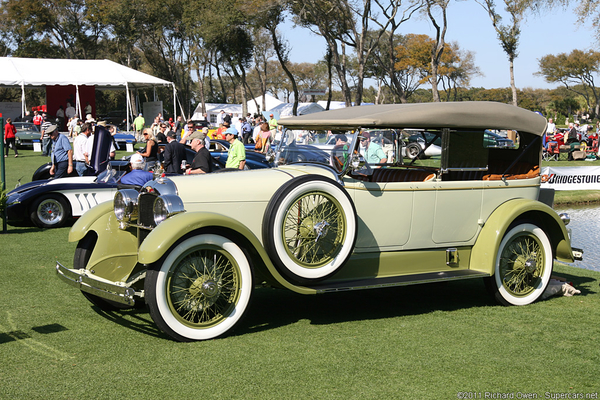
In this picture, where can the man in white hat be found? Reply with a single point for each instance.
(137, 176)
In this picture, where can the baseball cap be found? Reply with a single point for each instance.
(232, 130)
(366, 135)
(341, 136)
(136, 158)
(197, 135)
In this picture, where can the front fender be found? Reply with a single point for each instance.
(83, 224)
(114, 257)
(167, 233)
(485, 250)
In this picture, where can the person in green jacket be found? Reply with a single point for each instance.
(138, 126)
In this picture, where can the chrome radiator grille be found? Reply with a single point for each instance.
(145, 207)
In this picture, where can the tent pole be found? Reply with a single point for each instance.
(78, 102)
(174, 104)
(181, 110)
(128, 108)
(23, 105)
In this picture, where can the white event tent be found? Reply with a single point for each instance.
(103, 74)
(285, 109)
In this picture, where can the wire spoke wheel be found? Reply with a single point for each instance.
(314, 229)
(309, 228)
(203, 287)
(523, 265)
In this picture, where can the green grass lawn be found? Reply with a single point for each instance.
(416, 342)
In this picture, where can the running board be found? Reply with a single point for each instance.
(405, 280)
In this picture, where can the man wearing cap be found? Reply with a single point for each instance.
(45, 137)
(203, 134)
(272, 123)
(62, 154)
(236, 157)
(202, 163)
(174, 154)
(374, 154)
(137, 176)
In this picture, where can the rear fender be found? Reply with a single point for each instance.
(485, 250)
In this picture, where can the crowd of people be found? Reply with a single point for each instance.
(164, 139)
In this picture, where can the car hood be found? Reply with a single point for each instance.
(53, 182)
(27, 186)
(247, 186)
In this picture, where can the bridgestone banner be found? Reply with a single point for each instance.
(571, 178)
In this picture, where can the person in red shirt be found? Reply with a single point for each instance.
(10, 134)
(37, 119)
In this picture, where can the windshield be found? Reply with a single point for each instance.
(110, 175)
(332, 148)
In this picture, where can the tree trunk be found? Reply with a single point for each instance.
(512, 82)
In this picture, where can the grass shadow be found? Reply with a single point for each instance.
(272, 308)
(136, 319)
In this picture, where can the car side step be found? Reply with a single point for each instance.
(405, 280)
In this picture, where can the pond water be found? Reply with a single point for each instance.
(585, 234)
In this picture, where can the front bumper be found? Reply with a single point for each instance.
(81, 279)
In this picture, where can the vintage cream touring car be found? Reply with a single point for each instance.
(193, 248)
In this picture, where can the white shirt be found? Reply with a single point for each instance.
(90, 146)
(80, 147)
(551, 127)
(256, 132)
(70, 112)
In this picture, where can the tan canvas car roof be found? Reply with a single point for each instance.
(466, 115)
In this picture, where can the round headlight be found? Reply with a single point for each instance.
(126, 205)
(167, 206)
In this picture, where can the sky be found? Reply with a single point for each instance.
(554, 32)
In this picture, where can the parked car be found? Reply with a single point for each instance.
(193, 248)
(54, 202)
(27, 134)
(417, 142)
(492, 139)
(117, 118)
(422, 144)
(122, 138)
